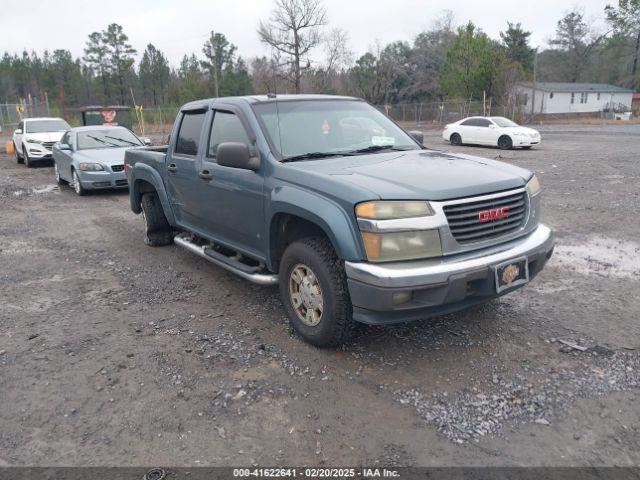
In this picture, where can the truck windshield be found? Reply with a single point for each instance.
(107, 138)
(311, 128)
(42, 126)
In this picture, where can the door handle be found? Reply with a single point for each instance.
(172, 168)
(205, 175)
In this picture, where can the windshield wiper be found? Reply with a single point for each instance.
(123, 140)
(378, 148)
(312, 155)
(102, 141)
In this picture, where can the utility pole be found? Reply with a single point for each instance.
(533, 90)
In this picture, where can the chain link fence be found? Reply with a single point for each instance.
(12, 113)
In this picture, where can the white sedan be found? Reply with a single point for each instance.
(493, 131)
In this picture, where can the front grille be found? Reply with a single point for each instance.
(48, 145)
(117, 168)
(464, 218)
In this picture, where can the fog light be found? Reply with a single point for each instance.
(401, 297)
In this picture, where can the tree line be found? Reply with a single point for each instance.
(306, 55)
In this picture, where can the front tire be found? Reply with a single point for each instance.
(25, 159)
(158, 232)
(59, 179)
(19, 159)
(77, 186)
(505, 142)
(455, 139)
(313, 287)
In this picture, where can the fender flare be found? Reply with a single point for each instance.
(143, 172)
(330, 216)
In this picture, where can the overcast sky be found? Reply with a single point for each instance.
(181, 26)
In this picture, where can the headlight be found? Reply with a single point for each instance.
(90, 167)
(396, 246)
(32, 140)
(393, 209)
(533, 186)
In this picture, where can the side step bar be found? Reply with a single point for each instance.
(227, 264)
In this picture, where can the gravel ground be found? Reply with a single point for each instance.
(112, 352)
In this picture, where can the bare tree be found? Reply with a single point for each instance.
(293, 30)
(578, 38)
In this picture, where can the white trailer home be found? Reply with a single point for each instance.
(566, 98)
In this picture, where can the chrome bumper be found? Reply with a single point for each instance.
(435, 271)
(405, 291)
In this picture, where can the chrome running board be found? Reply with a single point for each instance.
(200, 250)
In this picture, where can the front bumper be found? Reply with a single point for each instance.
(102, 180)
(38, 152)
(437, 286)
(526, 141)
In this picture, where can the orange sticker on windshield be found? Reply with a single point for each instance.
(325, 127)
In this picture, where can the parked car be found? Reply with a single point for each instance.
(493, 131)
(92, 158)
(354, 224)
(35, 137)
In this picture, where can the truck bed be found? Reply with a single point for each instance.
(153, 156)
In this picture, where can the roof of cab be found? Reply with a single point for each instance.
(198, 104)
(35, 119)
(93, 128)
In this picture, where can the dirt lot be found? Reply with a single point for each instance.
(115, 353)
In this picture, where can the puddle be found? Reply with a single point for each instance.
(44, 189)
(18, 247)
(25, 192)
(601, 257)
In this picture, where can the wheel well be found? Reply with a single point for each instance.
(140, 187)
(504, 136)
(286, 229)
(454, 133)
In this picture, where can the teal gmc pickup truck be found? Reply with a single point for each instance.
(349, 214)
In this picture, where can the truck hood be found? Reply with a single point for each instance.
(420, 174)
(105, 156)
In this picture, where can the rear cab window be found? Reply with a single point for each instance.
(188, 139)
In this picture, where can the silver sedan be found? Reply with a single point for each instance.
(92, 158)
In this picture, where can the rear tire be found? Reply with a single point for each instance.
(455, 139)
(157, 229)
(312, 279)
(505, 142)
(19, 159)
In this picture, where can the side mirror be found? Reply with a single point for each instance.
(492, 126)
(63, 146)
(146, 140)
(236, 155)
(417, 135)
(17, 131)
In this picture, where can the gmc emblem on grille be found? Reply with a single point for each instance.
(493, 214)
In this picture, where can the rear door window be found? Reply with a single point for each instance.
(189, 133)
(226, 127)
